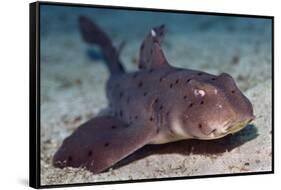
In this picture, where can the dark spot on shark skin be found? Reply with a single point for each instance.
(160, 80)
(167, 114)
(150, 70)
(121, 113)
(185, 97)
(128, 100)
(202, 102)
(136, 117)
(144, 94)
(188, 80)
(140, 84)
(161, 107)
(106, 144)
(69, 159)
(177, 81)
(171, 85)
(190, 105)
(200, 74)
(156, 100)
(113, 127)
(213, 79)
(151, 118)
(90, 153)
(200, 126)
(233, 91)
(135, 75)
(121, 94)
(157, 130)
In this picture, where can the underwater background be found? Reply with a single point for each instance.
(73, 76)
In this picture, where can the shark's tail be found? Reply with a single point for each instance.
(92, 34)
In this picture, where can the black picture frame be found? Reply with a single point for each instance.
(34, 98)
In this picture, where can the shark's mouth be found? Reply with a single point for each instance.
(231, 130)
(237, 127)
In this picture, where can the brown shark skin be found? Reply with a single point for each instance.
(156, 105)
(169, 93)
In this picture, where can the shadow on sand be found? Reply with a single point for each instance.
(186, 147)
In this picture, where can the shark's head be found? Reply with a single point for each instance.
(213, 108)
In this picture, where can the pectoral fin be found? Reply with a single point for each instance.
(100, 143)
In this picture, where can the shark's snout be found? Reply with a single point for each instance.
(219, 131)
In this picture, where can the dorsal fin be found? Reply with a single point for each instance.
(151, 53)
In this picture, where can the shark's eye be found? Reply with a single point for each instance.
(199, 92)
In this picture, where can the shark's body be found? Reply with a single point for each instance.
(155, 105)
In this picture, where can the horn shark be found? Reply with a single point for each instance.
(155, 105)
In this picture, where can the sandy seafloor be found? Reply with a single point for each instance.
(73, 89)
